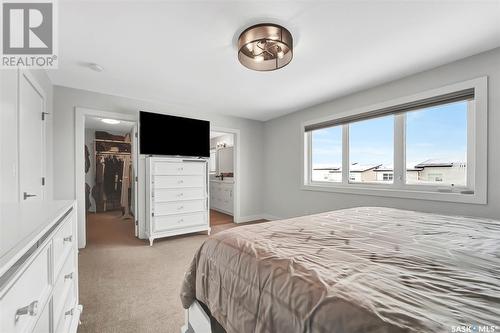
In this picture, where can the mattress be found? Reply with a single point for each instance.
(366, 269)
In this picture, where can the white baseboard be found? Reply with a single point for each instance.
(249, 218)
(270, 217)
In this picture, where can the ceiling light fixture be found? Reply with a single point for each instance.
(110, 121)
(265, 47)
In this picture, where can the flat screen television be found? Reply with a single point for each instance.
(175, 136)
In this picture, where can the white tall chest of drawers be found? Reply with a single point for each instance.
(177, 202)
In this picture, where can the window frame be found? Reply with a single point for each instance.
(477, 137)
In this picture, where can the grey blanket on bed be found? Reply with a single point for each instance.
(367, 269)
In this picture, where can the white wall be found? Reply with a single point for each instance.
(283, 151)
(9, 165)
(65, 100)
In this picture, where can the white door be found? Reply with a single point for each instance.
(31, 139)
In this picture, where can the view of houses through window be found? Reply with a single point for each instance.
(436, 145)
(371, 150)
(435, 148)
(327, 154)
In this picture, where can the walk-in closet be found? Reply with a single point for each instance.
(109, 180)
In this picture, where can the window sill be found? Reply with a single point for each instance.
(387, 191)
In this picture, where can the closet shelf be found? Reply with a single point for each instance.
(113, 141)
(112, 153)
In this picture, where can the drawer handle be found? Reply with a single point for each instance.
(68, 276)
(69, 312)
(68, 239)
(181, 220)
(180, 207)
(180, 181)
(180, 169)
(30, 309)
(180, 194)
(27, 195)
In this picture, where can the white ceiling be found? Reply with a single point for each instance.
(122, 128)
(183, 54)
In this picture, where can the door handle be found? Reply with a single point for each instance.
(26, 195)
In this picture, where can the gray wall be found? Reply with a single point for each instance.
(283, 151)
(66, 99)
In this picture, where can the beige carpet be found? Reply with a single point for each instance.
(127, 286)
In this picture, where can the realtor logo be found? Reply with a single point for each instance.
(28, 34)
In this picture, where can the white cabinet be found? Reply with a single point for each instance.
(177, 196)
(39, 292)
(222, 196)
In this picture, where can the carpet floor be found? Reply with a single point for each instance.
(128, 286)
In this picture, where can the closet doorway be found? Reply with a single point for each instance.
(222, 177)
(110, 181)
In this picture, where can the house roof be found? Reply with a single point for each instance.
(382, 168)
(438, 163)
(390, 168)
(328, 168)
(355, 167)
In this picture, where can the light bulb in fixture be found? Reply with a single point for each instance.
(279, 52)
(259, 58)
(110, 121)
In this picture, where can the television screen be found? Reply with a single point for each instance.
(177, 136)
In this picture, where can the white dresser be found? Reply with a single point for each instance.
(177, 202)
(39, 268)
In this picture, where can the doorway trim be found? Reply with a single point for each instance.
(236, 156)
(80, 115)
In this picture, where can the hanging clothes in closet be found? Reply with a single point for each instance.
(113, 174)
(112, 177)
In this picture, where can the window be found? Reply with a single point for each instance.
(428, 147)
(327, 154)
(436, 145)
(371, 146)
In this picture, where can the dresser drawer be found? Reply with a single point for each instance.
(179, 168)
(179, 207)
(27, 296)
(43, 323)
(162, 195)
(163, 223)
(64, 286)
(178, 181)
(63, 243)
(63, 324)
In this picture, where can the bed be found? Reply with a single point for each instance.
(367, 269)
